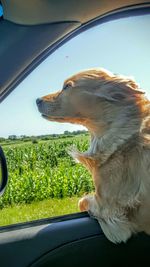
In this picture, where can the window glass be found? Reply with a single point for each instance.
(44, 180)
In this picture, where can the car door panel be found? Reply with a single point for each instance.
(78, 241)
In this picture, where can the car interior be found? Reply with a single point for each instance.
(30, 32)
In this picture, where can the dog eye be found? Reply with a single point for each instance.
(67, 85)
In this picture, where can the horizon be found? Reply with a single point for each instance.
(43, 135)
(121, 46)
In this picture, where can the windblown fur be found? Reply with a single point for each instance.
(117, 115)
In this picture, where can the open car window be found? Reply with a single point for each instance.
(44, 181)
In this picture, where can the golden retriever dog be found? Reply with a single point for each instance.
(117, 115)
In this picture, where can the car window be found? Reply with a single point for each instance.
(44, 181)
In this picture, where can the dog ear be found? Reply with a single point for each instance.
(112, 95)
(120, 92)
(106, 97)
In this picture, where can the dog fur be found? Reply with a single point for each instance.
(117, 115)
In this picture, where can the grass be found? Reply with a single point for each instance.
(38, 210)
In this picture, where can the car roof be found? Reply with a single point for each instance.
(49, 11)
(31, 30)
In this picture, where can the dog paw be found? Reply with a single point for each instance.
(83, 204)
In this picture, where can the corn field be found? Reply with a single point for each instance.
(45, 170)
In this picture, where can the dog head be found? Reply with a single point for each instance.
(90, 97)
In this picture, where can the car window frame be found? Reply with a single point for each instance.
(49, 241)
(115, 15)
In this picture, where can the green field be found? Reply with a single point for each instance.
(43, 171)
(38, 210)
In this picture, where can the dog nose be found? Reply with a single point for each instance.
(38, 101)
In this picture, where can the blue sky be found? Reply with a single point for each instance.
(121, 46)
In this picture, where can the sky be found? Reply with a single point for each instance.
(121, 46)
